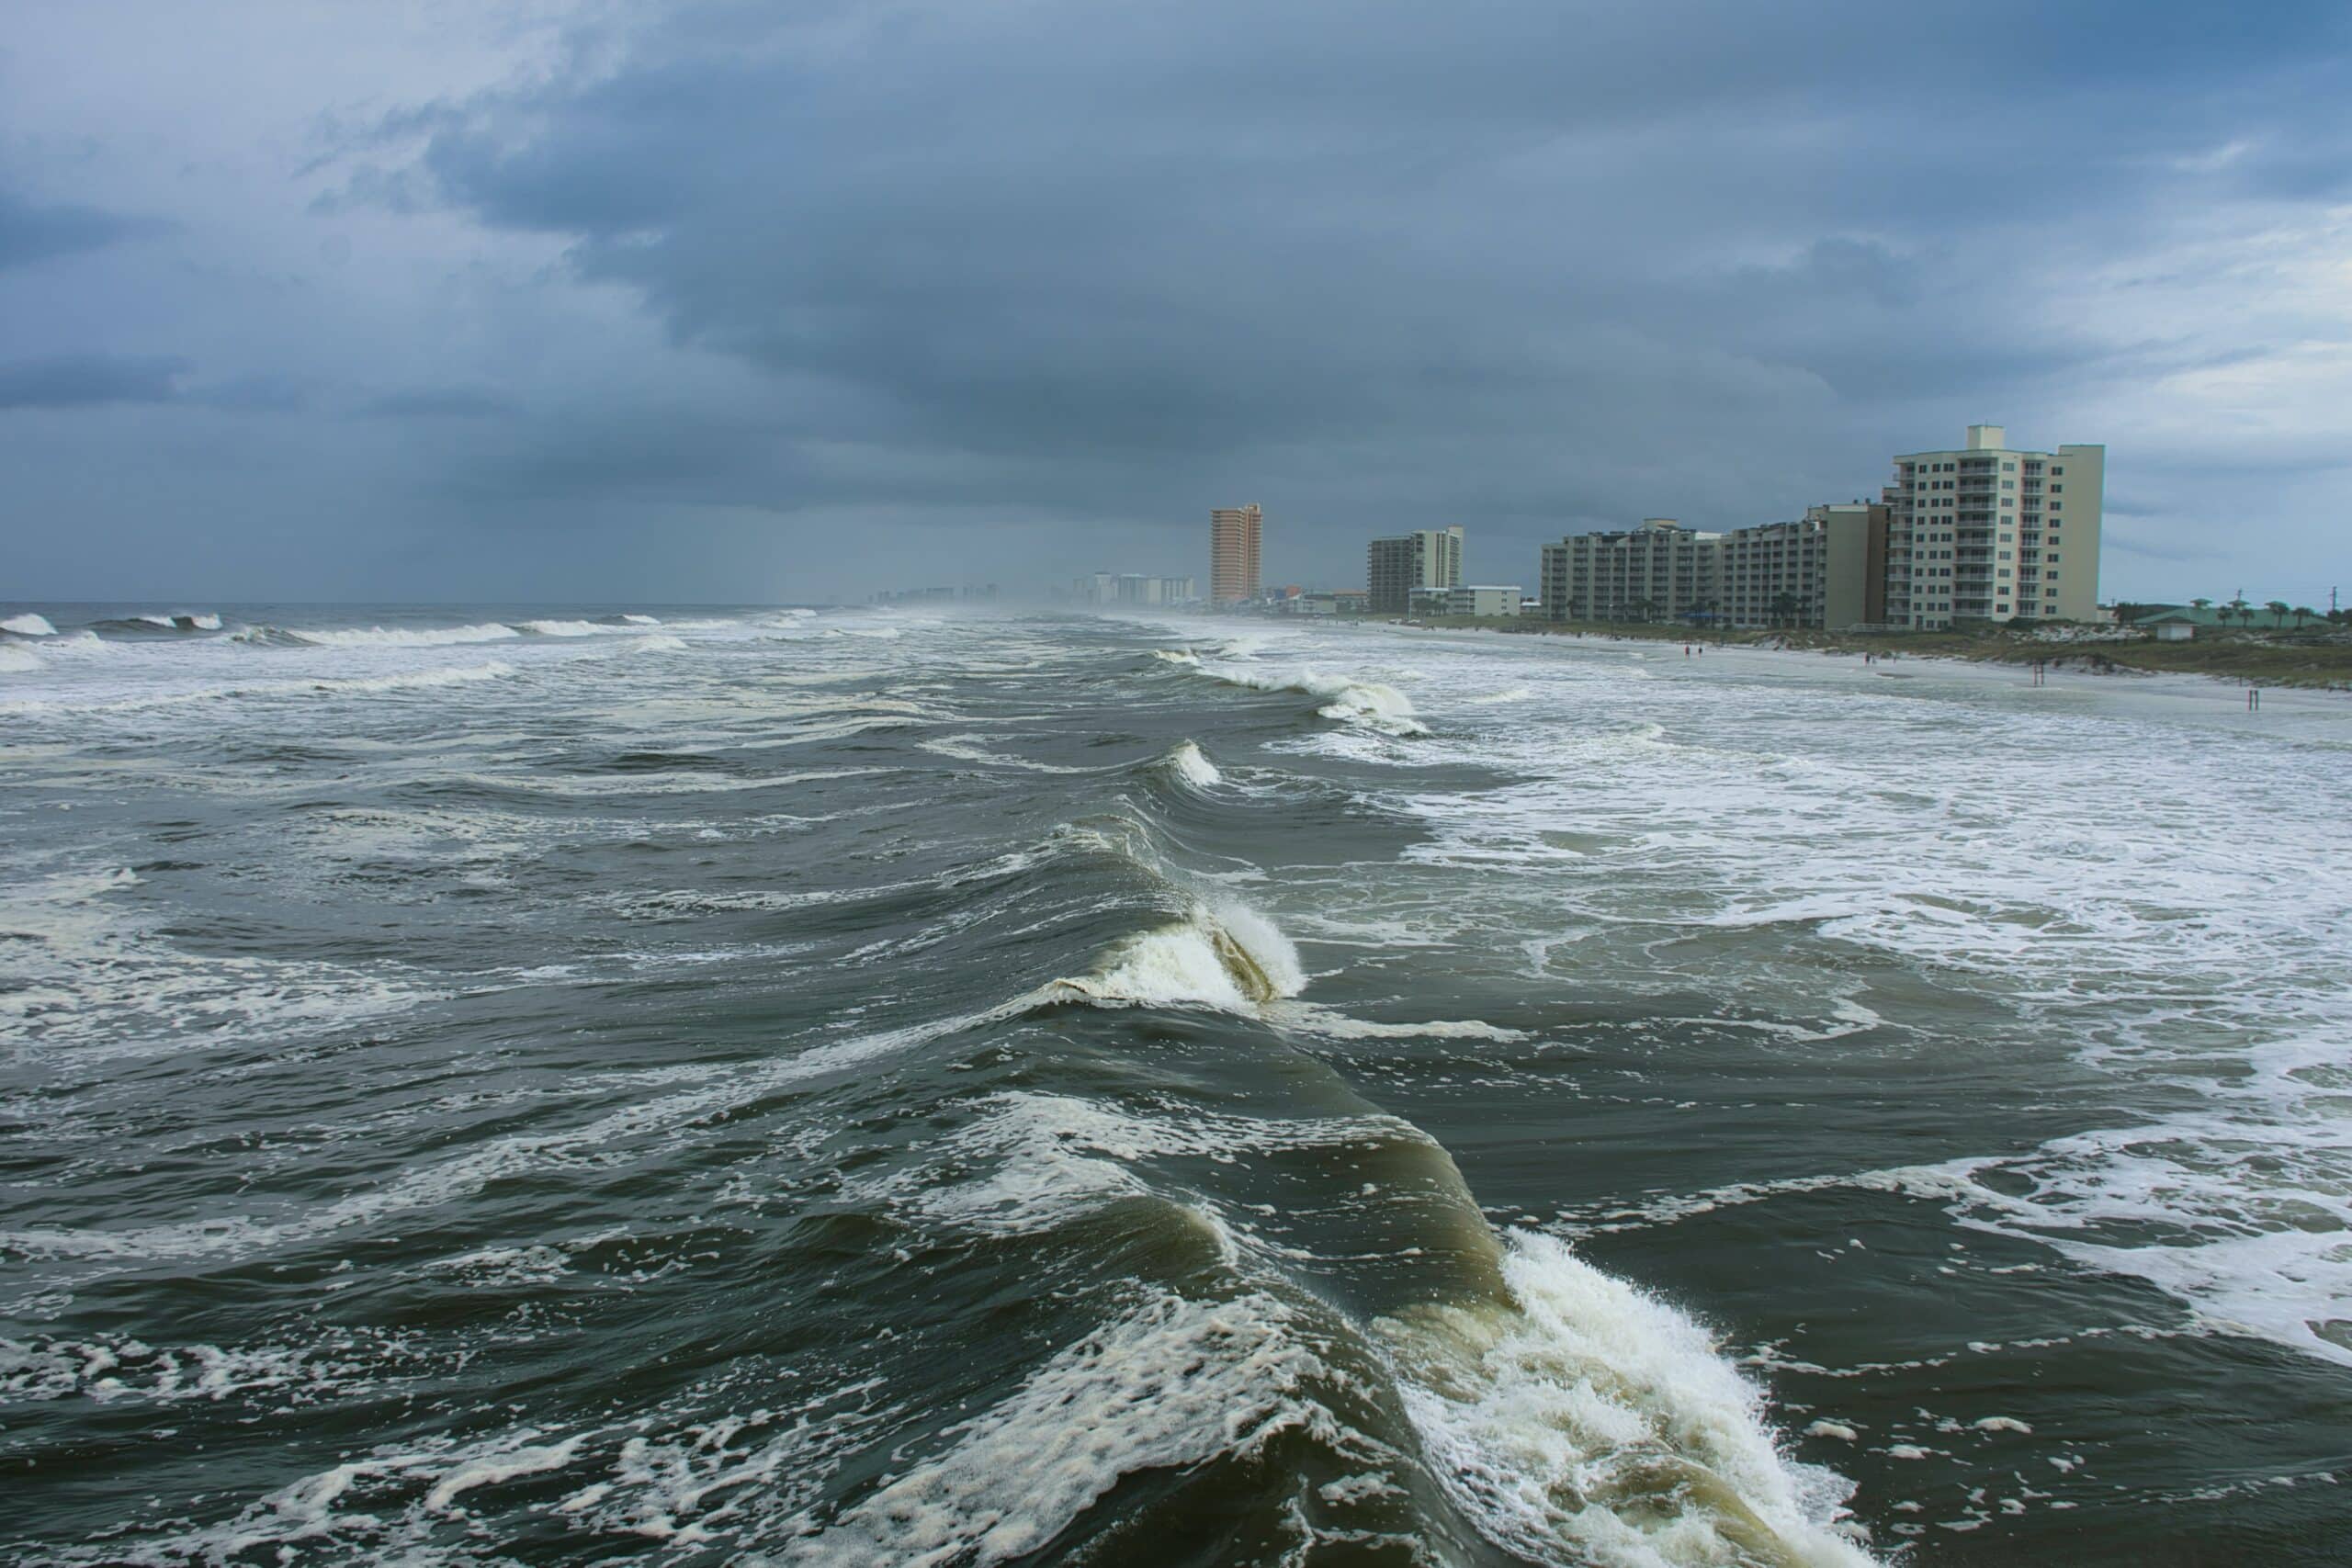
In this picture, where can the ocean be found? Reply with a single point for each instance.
(683, 1085)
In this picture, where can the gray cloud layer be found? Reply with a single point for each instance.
(1035, 286)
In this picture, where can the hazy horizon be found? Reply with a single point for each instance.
(559, 303)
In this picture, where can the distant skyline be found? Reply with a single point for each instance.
(586, 302)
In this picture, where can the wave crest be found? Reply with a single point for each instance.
(1232, 958)
(1191, 765)
(1370, 704)
(1582, 1410)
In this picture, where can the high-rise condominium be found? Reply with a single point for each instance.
(1233, 553)
(1430, 557)
(1989, 532)
(1659, 571)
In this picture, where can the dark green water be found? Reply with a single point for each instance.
(532, 1086)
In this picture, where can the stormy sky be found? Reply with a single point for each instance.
(541, 301)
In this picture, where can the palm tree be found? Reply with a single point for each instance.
(2302, 613)
(1784, 608)
(2278, 608)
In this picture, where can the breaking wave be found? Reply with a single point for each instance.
(1232, 958)
(1187, 762)
(28, 625)
(1369, 704)
(384, 636)
(173, 623)
(1574, 1409)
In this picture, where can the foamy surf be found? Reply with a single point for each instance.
(1170, 1384)
(387, 636)
(1580, 1418)
(1370, 704)
(28, 625)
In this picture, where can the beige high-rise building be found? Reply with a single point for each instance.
(1990, 531)
(1233, 553)
(1430, 557)
(1827, 569)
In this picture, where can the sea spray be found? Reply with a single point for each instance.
(1576, 1413)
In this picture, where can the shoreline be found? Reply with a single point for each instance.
(2234, 659)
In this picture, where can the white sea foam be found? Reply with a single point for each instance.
(29, 624)
(642, 620)
(407, 680)
(562, 628)
(17, 660)
(107, 1370)
(660, 643)
(492, 1469)
(1028, 1161)
(1335, 1025)
(654, 1119)
(2254, 1246)
(1584, 1418)
(88, 978)
(1172, 1384)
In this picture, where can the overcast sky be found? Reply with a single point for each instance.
(555, 301)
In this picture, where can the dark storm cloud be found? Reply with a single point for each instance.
(1234, 236)
(439, 402)
(84, 380)
(31, 232)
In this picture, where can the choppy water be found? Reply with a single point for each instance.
(691, 1086)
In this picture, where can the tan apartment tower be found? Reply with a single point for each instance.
(1991, 532)
(1233, 553)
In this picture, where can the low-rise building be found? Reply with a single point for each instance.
(1483, 600)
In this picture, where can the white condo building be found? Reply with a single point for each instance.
(1990, 531)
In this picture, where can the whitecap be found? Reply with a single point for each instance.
(391, 637)
(1584, 1413)
(1188, 762)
